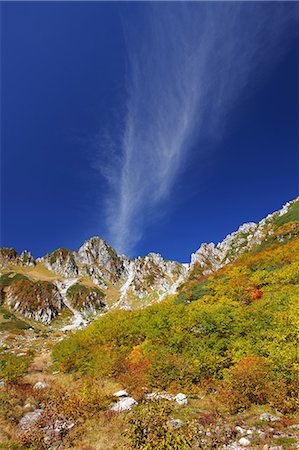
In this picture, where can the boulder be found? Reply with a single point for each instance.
(181, 399)
(123, 404)
(122, 393)
(40, 385)
(244, 442)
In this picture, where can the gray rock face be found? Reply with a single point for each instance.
(10, 257)
(40, 301)
(26, 259)
(61, 262)
(211, 257)
(145, 279)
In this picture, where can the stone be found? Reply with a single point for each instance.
(269, 417)
(30, 418)
(40, 385)
(244, 442)
(123, 404)
(181, 399)
(240, 430)
(159, 395)
(122, 393)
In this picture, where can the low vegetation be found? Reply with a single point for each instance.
(228, 340)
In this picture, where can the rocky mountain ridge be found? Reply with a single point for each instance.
(211, 257)
(95, 277)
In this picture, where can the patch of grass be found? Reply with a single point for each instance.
(285, 442)
(9, 322)
(7, 278)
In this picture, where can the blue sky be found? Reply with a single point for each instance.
(157, 126)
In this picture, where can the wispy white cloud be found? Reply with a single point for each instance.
(187, 63)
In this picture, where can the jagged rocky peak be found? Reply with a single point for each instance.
(210, 257)
(61, 262)
(27, 259)
(151, 274)
(10, 257)
(97, 251)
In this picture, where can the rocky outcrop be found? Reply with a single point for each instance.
(150, 275)
(144, 277)
(61, 262)
(86, 277)
(9, 257)
(211, 257)
(40, 301)
(86, 299)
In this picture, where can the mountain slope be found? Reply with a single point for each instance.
(107, 280)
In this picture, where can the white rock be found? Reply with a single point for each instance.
(40, 385)
(181, 399)
(122, 393)
(269, 417)
(240, 430)
(2, 383)
(30, 419)
(244, 442)
(159, 395)
(123, 404)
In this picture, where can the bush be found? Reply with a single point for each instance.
(149, 429)
(252, 381)
(13, 367)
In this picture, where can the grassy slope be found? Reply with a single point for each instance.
(243, 310)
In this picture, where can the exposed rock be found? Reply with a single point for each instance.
(159, 395)
(269, 417)
(122, 393)
(244, 442)
(61, 262)
(211, 257)
(10, 257)
(181, 399)
(40, 300)
(123, 404)
(26, 259)
(40, 385)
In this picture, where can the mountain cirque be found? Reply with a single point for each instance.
(94, 278)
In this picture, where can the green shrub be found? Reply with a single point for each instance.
(13, 367)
